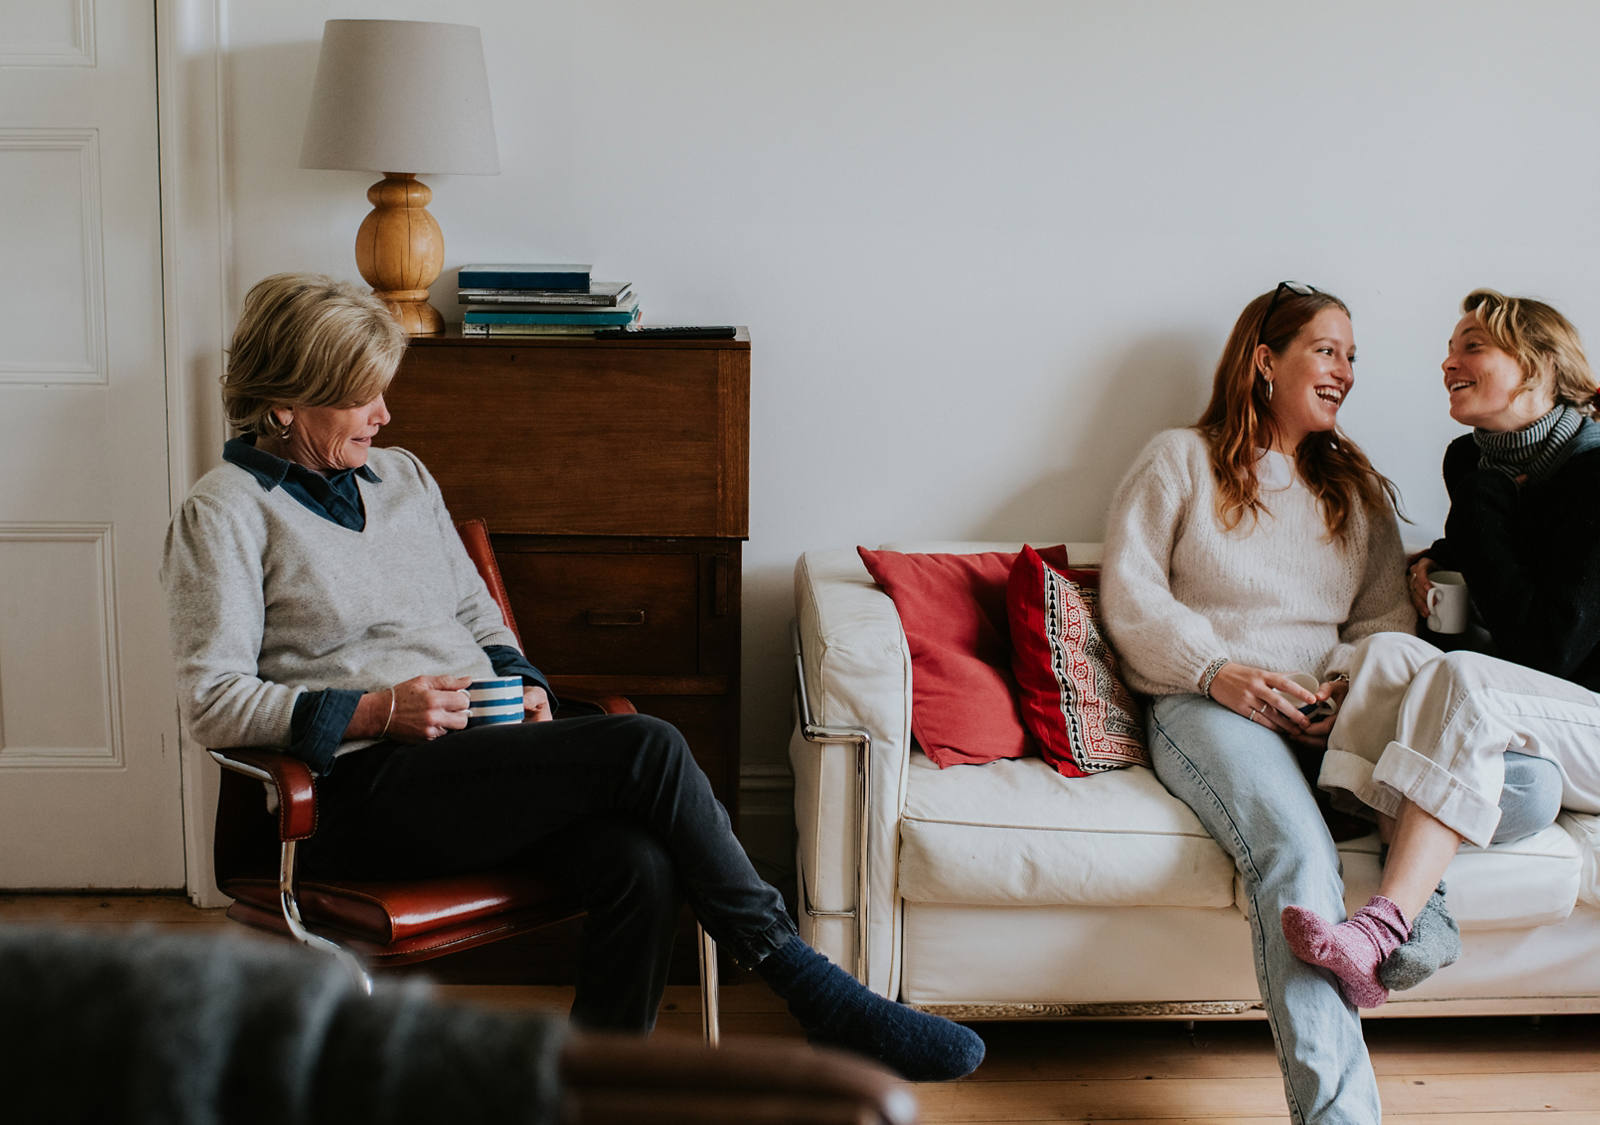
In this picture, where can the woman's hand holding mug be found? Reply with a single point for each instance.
(1418, 583)
(1438, 595)
(426, 707)
(1269, 698)
(536, 702)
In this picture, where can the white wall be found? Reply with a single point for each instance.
(985, 249)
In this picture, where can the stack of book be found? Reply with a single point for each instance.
(540, 300)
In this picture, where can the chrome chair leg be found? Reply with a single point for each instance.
(290, 905)
(709, 1013)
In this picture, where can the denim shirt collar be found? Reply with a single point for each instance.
(270, 470)
(334, 497)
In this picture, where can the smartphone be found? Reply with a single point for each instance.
(1318, 710)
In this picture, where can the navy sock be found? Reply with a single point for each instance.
(1434, 943)
(838, 1011)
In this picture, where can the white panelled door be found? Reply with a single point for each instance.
(89, 775)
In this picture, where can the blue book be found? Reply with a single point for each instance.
(595, 319)
(524, 277)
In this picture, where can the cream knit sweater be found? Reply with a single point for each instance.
(1177, 591)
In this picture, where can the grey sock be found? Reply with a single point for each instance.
(1435, 942)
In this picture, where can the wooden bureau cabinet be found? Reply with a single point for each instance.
(614, 476)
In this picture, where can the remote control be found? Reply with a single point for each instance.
(669, 332)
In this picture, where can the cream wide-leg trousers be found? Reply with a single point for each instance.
(1433, 728)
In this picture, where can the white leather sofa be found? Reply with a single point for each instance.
(1007, 891)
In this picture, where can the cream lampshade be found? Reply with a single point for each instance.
(401, 97)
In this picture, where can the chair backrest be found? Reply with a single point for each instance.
(246, 838)
(475, 538)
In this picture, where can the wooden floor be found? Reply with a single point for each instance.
(1476, 1071)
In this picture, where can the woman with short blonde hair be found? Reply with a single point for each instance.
(323, 606)
(1541, 340)
(311, 340)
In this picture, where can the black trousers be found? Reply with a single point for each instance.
(614, 803)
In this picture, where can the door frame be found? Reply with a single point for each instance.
(196, 284)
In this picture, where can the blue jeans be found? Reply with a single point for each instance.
(1530, 799)
(1244, 784)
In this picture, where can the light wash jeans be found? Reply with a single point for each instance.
(1243, 782)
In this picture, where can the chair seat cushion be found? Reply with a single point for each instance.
(387, 913)
(1017, 833)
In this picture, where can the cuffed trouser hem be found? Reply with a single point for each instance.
(1403, 775)
(1434, 790)
(1347, 778)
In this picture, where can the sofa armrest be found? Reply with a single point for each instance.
(855, 672)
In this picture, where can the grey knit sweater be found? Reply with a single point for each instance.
(268, 599)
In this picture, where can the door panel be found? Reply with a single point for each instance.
(89, 778)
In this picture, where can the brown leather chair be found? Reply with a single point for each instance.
(390, 922)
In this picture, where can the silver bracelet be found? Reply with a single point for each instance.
(1211, 673)
(385, 731)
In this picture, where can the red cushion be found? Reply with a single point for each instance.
(1070, 696)
(953, 610)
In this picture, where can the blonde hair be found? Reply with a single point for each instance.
(1238, 424)
(1541, 340)
(305, 339)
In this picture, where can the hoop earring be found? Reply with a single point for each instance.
(1268, 382)
(280, 430)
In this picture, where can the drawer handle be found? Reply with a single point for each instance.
(603, 617)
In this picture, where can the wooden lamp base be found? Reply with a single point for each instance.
(400, 251)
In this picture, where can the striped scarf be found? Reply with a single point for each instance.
(1533, 450)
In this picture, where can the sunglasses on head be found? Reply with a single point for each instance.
(1298, 288)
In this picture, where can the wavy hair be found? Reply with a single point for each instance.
(1237, 424)
(307, 340)
(1541, 340)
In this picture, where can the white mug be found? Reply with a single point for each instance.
(1447, 602)
(1313, 711)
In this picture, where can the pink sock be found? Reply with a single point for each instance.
(1351, 951)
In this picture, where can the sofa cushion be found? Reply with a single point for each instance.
(953, 610)
(1584, 828)
(1072, 699)
(1017, 833)
(1529, 882)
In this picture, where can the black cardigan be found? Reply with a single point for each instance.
(1531, 557)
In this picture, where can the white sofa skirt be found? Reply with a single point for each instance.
(987, 962)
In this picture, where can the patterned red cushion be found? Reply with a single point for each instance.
(1071, 698)
(953, 610)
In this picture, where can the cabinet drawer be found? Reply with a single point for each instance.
(606, 614)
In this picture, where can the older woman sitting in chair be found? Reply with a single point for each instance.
(322, 604)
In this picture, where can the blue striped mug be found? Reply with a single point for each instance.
(494, 701)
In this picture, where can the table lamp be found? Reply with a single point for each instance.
(401, 97)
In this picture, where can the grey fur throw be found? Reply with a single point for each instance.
(148, 1028)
